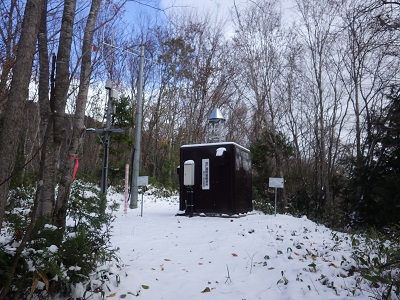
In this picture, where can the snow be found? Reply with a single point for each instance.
(53, 249)
(213, 144)
(253, 256)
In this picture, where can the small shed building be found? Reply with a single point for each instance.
(215, 178)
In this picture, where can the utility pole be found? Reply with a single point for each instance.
(138, 135)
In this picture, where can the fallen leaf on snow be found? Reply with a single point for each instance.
(206, 290)
(146, 287)
(111, 295)
(234, 254)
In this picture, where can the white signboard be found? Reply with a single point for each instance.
(143, 180)
(276, 182)
(205, 174)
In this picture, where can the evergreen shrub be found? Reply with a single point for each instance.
(54, 260)
(378, 259)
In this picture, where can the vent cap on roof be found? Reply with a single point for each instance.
(216, 126)
(216, 116)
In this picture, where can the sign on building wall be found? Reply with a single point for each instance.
(205, 175)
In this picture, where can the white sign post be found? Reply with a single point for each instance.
(126, 188)
(276, 183)
(142, 181)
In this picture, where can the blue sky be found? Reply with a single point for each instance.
(220, 8)
(136, 10)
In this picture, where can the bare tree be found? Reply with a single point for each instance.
(18, 94)
(259, 45)
(191, 79)
(46, 176)
(78, 124)
(319, 19)
(10, 24)
(370, 67)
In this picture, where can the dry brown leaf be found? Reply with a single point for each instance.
(123, 296)
(206, 290)
(234, 254)
(34, 285)
(111, 295)
(45, 279)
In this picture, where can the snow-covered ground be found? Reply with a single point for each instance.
(256, 256)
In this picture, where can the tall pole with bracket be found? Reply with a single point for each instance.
(138, 135)
(107, 130)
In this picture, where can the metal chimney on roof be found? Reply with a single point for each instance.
(216, 126)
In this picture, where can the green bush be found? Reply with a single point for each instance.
(378, 259)
(53, 260)
(261, 203)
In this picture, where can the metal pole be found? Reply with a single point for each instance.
(104, 173)
(138, 133)
(126, 192)
(191, 202)
(275, 199)
(141, 206)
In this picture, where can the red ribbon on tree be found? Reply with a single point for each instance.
(75, 167)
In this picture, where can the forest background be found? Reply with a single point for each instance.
(316, 99)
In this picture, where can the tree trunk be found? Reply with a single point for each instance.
(46, 178)
(10, 25)
(62, 81)
(78, 125)
(19, 90)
